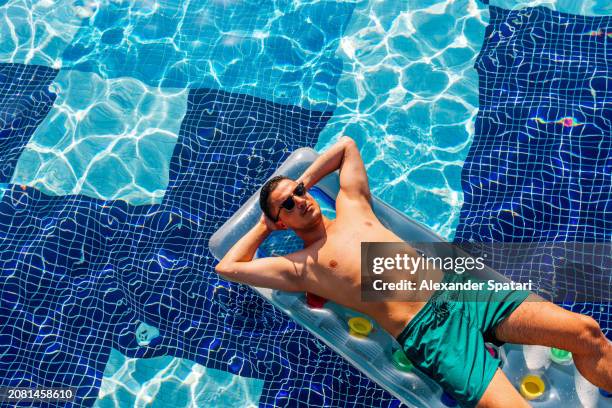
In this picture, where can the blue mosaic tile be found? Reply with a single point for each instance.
(539, 166)
(282, 51)
(83, 274)
(104, 138)
(25, 100)
(37, 33)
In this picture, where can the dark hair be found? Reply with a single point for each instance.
(264, 194)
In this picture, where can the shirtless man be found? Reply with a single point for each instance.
(330, 266)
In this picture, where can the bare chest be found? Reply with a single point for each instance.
(337, 263)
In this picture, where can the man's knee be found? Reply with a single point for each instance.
(589, 335)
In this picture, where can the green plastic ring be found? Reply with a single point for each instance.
(560, 356)
(401, 361)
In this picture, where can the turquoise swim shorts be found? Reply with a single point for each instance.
(446, 339)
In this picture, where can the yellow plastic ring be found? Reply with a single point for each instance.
(532, 387)
(359, 327)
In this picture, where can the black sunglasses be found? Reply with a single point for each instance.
(288, 204)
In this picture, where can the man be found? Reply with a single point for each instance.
(447, 346)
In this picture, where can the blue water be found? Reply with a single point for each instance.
(145, 124)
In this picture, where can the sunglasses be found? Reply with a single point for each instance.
(288, 204)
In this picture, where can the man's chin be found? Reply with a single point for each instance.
(315, 216)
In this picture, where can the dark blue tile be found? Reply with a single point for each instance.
(79, 274)
(539, 166)
(25, 99)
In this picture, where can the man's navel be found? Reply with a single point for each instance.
(368, 223)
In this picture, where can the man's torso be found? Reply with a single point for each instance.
(333, 269)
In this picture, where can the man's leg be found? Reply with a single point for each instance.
(546, 324)
(501, 394)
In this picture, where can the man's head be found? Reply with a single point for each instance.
(286, 202)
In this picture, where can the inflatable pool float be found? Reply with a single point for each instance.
(546, 377)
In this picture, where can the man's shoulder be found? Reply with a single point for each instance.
(353, 212)
(353, 206)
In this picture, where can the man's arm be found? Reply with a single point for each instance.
(281, 272)
(343, 156)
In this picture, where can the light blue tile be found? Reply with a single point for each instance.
(282, 51)
(164, 382)
(109, 139)
(37, 32)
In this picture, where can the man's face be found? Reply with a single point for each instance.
(304, 213)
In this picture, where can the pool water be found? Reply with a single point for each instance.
(397, 76)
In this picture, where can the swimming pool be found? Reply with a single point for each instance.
(136, 129)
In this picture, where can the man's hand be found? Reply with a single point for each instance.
(269, 224)
(343, 156)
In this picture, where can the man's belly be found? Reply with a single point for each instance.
(337, 276)
(392, 316)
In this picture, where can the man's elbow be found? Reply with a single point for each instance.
(348, 141)
(223, 269)
(349, 147)
(227, 272)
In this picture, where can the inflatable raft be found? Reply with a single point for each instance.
(546, 377)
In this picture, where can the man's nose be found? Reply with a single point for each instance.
(300, 201)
